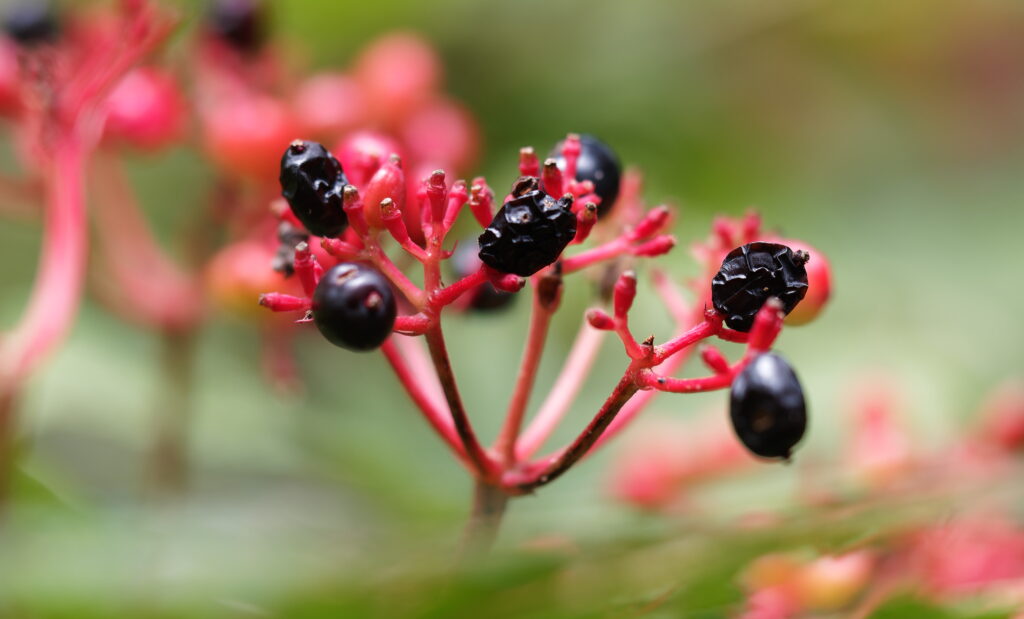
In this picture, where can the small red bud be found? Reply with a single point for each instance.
(280, 302)
(599, 319)
(528, 163)
(585, 221)
(654, 220)
(388, 182)
(656, 247)
(551, 178)
(624, 293)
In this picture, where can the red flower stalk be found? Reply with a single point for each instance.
(63, 90)
(508, 468)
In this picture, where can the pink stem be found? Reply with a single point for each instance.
(689, 338)
(482, 464)
(423, 398)
(540, 321)
(57, 291)
(582, 260)
(575, 371)
(420, 365)
(447, 295)
(412, 292)
(156, 290)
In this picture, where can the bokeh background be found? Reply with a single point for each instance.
(888, 134)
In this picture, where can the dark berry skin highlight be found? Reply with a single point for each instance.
(598, 164)
(239, 23)
(485, 297)
(528, 233)
(753, 273)
(313, 183)
(31, 22)
(354, 307)
(767, 407)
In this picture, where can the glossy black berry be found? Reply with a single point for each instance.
(354, 306)
(598, 164)
(485, 297)
(313, 182)
(753, 273)
(767, 407)
(239, 23)
(31, 22)
(528, 233)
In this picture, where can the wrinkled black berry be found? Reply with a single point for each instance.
(239, 23)
(354, 307)
(31, 22)
(767, 407)
(528, 233)
(598, 164)
(753, 273)
(485, 297)
(313, 182)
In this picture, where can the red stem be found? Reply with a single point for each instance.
(540, 321)
(482, 464)
(563, 461)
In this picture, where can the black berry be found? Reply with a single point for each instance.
(485, 297)
(354, 307)
(767, 407)
(312, 182)
(529, 231)
(31, 22)
(753, 273)
(598, 164)
(239, 23)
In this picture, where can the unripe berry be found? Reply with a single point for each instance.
(398, 72)
(819, 285)
(767, 407)
(354, 307)
(363, 152)
(312, 182)
(245, 135)
(145, 109)
(529, 232)
(442, 134)
(752, 274)
(598, 164)
(237, 275)
(328, 104)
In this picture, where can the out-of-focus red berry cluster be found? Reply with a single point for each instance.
(880, 472)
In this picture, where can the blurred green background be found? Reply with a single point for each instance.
(888, 134)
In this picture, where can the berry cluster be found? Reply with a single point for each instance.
(752, 282)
